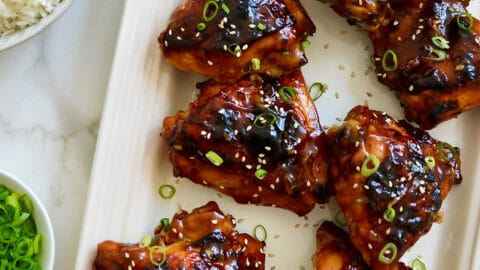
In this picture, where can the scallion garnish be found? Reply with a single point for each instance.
(441, 152)
(388, 253)
(389, 214)
(225, 8)
(430, 161)
(316, 90)
(287, 94)
(201, 26)
(389, 60)
(145, 241)
(255, 64)
(260, 233)
(264, 120)
(19, 240)
(210, 10)
(440, 42)
(152, 254)
(166, 191)
(437, 55)
(164, 222)
(214, 158)
(340, 219)
(286, 53)
(260, 174)
(261, 26)
(417, 264)
(305, 44)
(370, 165)
(234, 49)
(461, 22)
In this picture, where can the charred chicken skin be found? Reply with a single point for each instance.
(258, 140)
(428, 52)
(203, 239)
(335, 251)
(390, 180)
(228, 38)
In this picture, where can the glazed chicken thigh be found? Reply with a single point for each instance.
(257, 140)
(390, 180)
(227, 39)
(426, 51)
(203, 239)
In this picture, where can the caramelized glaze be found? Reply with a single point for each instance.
(404, 181)
(222, 119)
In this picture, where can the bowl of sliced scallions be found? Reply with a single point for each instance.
(26, 235)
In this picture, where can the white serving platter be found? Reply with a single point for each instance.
(131, 159)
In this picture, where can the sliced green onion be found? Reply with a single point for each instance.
(286, 53)
(201, 26)
(261, 26)
(287, 94)
(225, 8)
(316, 90)
(36, 243)
(461, 23)
(145, 241)
(389, 214)
(264, 120)
(26, 203)
(358, 200)
(24, 263)
(166, 191)
(164, 222)
(260, 174)
(440, 42)
(367, 169)
(20, 219)
(438, 55)
(430, 161)
(255, 64)
(388, 253)
(22, 248)
(8, 234)
(340, 219)
(305, 44)
(152, 253)
(214, 158)
(210, 10)
(12, 200)
(417, 264)
(441, 152)
(260, 233)
(234, 49)
(389, 60)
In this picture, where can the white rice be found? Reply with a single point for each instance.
(16, 15)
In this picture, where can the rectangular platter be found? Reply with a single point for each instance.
(131, 159)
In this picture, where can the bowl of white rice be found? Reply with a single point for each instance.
(22, 19)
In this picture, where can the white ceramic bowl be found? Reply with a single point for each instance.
(21, 36)
(40, 215)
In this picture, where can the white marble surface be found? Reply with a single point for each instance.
(52, 90)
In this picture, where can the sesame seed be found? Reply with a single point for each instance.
(366, 187)
(127, 255)
(295, 125)
(418, 31)
(393, 195)
(245, 47)
(235, 132)
(170, 31)
(245, 241)
(221, 187)
(252, 26)
(180, 235)
(214, 221)
(421, 20)
(197, 34)
(410, 88)
(387, 232)
(422, 189)
(268, 148)
(399, 38)
(166, 43)
(255, 195)
(210, 63)
(247, 262)
(179, 37)
(370, 246)
(308, 183)
(459, 67)
(203, 133)
(357, 143)
(384, 75)
(182, 29)
(225, 47)
(355, 185)
(133, 263)
(204, 182)
(259, 166)
(422, 182)
(130, 267)
(260, 189)
(233, 32)
(225, 19)
(357, 168)
(379, 220)
(174, 230)
(249, 128)
(243, 159)
(209, 135)
(421, 27)
(234, 221)
(390, 183)
(395, 23)
(261, 155)
(272, 186)
(233, 26)
(257, 264)
(237, 155)
(400, 209)
(414, 37)
(248, 166)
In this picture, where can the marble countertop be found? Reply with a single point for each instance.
(52, 90)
